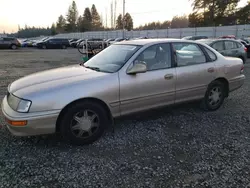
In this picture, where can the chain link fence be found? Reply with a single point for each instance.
(237, 30)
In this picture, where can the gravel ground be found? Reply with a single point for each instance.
(178, 146)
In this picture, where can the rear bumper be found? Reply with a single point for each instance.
(37, 123)
(236, 83)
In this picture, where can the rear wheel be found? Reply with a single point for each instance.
(64, 47)
(83, 123)
(214, 97)
(44, 47)
(13, 47)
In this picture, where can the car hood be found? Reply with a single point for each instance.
(56, 76)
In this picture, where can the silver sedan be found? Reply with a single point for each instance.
(80, 101)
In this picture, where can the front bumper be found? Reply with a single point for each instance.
(38, 123)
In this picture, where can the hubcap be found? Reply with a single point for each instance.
(85, 124)
(215, 96)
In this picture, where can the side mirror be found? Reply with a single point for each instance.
(138, 67)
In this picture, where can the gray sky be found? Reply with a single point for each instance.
(44, 12)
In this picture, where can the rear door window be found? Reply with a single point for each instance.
(229, 45)
(188, 54)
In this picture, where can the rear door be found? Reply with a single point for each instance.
(231, 49)
(194, 71)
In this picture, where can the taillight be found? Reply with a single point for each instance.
(245, 49)
(242, 69)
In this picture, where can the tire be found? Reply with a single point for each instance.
(91, 130)
(13, 47)
(211, 96)
(64, 47)
(44, 47)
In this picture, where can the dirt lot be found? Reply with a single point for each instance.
(174, 147)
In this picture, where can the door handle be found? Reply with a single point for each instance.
(168, 76)
(211, 69)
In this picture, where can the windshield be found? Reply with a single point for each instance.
(112, 58)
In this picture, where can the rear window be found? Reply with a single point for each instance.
(210, 54)
(230, 45)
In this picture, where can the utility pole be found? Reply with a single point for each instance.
(115, 14)
(111, 14)
(123, 23)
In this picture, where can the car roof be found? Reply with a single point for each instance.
(150, 41)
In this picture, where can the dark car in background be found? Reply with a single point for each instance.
(54, 43)
(9, 43)
(246, 44)
(194, 37)
(76, 43)
(227, 47)
(94, 43)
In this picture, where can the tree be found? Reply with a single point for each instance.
(79, 23)
(61, 24)
(86, 22)
(179, 22)
(243, 14)
(96, 19)
(128, 22)
(119, 24)
(213, 12)
(53, 29)
(72, 16)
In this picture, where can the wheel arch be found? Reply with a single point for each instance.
(225, 82)
(91, 99)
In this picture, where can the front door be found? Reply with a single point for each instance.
(193, 71)
(154, 88)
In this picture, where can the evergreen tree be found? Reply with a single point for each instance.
(96, 19)
(61, 24)
(119, 24)
(72, 17)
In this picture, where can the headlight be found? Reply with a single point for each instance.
(17, 104)
(23, 106)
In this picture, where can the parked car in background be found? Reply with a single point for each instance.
(27, 43)
(194, 37)
(81, 101)
(40, 40)
(228, 47)
(54, 43)
(117, 40)
(9, 43)
(246, 44)
(73, 40)
(109, 41)
(228, 37)
(76, 43)
(94, 43)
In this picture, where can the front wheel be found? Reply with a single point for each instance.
(214, 97)
(83, 123)
(64, 47)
